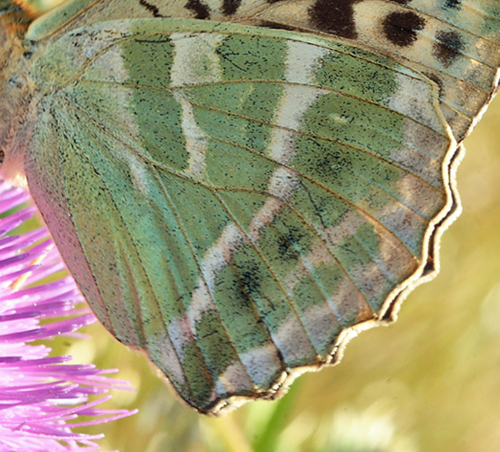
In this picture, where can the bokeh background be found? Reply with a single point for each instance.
(430, 382)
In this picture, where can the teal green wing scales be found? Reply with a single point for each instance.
(455, 43)
(236, 201)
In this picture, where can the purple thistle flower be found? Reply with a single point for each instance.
(42, 398)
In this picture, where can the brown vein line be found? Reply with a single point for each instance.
(257, 315)
(480, 12)
(466, 56)
(329, 140)
(180, 386)
(351, 54)
(324, 187)
(131, 241)
(389, 276)
(368, 253)
(442, 72)
(272, 35)
(59, 131)
(109, 133)
(365, 48)
(70, 20)
(313, 230)
(331, 251)
(304, 134)
(288, 297)
(195, 257)
(355, 206)
(308, 178)
(423, 68)
(131, 279)
(452, 107)
(134, 86)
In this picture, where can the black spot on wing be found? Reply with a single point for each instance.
(453, 4)
(334, 16)
(448, 46)
(401, 28)
(229, 7)
(287, 244)
(250, 277)
(200, 10)
(151, 8)
(401, 2)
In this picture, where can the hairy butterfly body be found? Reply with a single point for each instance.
(239, 188)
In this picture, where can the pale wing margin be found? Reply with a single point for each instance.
(242, 198)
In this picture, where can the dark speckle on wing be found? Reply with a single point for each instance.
(453, 4)
(448, 46)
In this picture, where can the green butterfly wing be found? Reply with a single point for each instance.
(455, 43)
(236, 201)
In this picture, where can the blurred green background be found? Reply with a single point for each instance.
(430, 382)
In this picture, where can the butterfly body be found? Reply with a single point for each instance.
(238, 201)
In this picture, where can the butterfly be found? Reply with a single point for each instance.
(240, 189)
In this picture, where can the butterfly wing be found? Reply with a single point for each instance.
(454, 43)
(235, 200)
